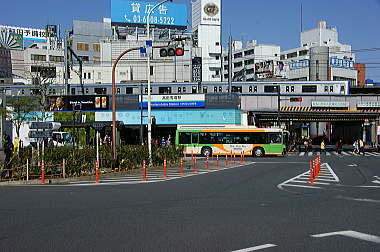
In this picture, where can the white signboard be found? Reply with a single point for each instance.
(27, 33)
(210, 12)
(368, 104)
(330, 104)
(170, 101)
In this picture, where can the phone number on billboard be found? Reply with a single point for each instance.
(154, 20)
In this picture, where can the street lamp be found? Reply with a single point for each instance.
(148, 72)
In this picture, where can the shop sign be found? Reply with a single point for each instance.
(175, 101)
(330, 104)
(368, 104)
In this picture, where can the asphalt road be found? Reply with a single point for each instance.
(227, 210)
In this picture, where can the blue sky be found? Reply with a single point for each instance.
(270, 22)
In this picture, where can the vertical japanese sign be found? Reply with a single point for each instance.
(196, 69)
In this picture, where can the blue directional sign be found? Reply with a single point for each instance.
(135, 12)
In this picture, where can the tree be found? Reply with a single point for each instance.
(21, 110)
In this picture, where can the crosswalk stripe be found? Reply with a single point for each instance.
(345, 153)
(328, 154)
(302, 154)
(353, 153)
(310, 154)
(335, 153)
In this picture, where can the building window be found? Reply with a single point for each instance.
(292, 55)
(238, 55)
(215, 89)
(151, 70)
(37, 57)
(282, 57)
(217, 57)
(217, 43)
(84, 58)
(96, 47)
(82, 47)
(84, 75)
(100, 91)
(118, 90)
(303, 52)
(249, 62)
(179, 90)
(89, 75)
(249, 52)
(331, 88)
(220, 89)
(205, 90)
(56, 58)
(129, 90)
(99, 75)
(96, 59)
(183, 89)
(238, 64)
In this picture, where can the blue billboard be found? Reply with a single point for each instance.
(172, 117)
(135, 12)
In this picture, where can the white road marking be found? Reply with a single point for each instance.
(377, 177)
(345, 153)
(302, 154)
(370, 154)
(376, 182)
(328, 154)
(357, 199)
(353, 165)
(303, 186)
(332, 172)
(353, 153)
(304, 178)
(352, 234)
(310, 154)
(256, 248)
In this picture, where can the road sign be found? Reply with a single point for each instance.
(40, 134)
(45, 125)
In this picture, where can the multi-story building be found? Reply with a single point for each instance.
(206, 29)
(321, 57)
(245, 60)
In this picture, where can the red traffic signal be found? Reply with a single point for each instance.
(171, 51)
(296, 99)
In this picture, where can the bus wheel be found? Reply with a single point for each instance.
(206, 151)
(258, 152)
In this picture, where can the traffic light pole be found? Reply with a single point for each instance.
(148, 77)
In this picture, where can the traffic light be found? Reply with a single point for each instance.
(296, 99)
(172, 51)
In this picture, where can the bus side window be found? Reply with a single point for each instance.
(274, 138)
(194, 138)
(185, 138)
(204, 138)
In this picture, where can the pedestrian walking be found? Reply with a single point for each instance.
(305, 144)
(356, 146)
(310, 145)
(338, 146)
(8, 148)
(361, 147)
(323, 147)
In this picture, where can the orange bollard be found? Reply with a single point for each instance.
(43, 172)
(165, 167)
(195, 165)
(207, 168)
(144, 170)
(96, 172)
(311, 172)
(226, 160)
(181, 166)
(234, 159)
(231, 157)
(217, 161)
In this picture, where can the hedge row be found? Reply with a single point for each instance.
(81, 161)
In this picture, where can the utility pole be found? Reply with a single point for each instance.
(229, 64)
(66, 65)
(278, 104)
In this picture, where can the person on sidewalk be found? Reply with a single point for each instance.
(323, 147)
(338, 146)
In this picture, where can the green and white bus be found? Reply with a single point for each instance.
(210, 140)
